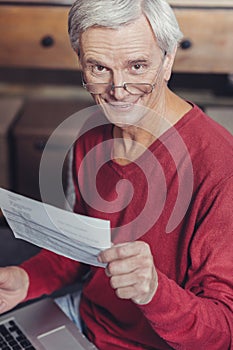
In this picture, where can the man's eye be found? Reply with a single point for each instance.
(99, 69)
(138, 68)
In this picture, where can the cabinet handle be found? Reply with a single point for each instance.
(47, 41)
(39, 145)
(186, 44)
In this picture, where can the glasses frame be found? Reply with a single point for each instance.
(112, 87)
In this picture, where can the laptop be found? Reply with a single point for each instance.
(41, 326)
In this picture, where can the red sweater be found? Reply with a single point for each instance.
(193, 306)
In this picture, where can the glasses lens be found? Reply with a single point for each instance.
(138, 88)
(97, 88)
(132, 88)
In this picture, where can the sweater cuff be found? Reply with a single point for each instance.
(49, 272)
(163, 310)
(36, 287)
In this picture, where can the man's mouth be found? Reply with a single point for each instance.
(121, 106)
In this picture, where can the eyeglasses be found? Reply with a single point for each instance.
(132, 88)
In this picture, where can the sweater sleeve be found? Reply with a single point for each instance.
(199, 315)
(49, 272)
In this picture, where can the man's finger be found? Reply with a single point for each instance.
(123, 251)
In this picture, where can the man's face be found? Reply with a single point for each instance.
(128, 54)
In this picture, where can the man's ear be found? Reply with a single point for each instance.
(168, 64)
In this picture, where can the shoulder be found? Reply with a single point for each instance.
(209, 144)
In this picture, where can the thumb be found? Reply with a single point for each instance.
(4, 275)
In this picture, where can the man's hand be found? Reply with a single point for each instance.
(14, 283)
(131, 271)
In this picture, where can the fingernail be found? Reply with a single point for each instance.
(108, 274)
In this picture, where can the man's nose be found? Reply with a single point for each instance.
(118, 88)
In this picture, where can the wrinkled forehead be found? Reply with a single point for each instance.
(136, 35)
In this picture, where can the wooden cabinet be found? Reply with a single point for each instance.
(207, 46)
(36, 36)
(39, 119)
(201, 3)
(9, 111)
(207, 26)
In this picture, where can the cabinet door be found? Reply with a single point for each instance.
(207, 45)
(201, 3)
(35, 36)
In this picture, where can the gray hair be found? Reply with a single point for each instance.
(114, 13)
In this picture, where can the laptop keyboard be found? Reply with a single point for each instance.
(12, 337)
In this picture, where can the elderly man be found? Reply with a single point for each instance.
(168, 281)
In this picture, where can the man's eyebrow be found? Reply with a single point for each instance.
(139, 60)
(94, 61)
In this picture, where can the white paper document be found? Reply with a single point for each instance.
(72, 235)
